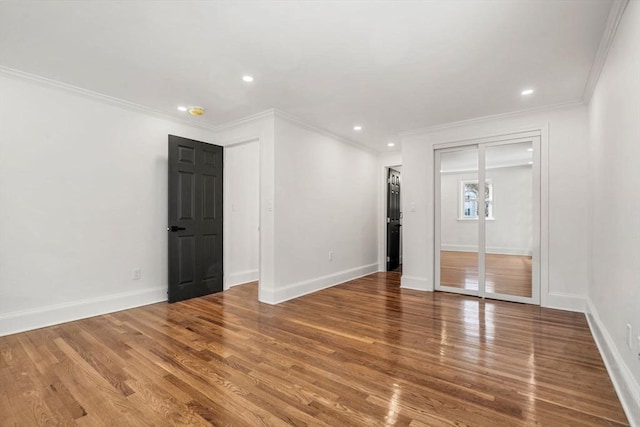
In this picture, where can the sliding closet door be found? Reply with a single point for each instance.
(487, 220)
(459, 200)
(511, 246)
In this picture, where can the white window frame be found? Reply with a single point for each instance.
(461, 187)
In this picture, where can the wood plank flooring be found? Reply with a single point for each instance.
(504, 274)
(365, 353)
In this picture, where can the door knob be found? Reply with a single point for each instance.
(175, 228)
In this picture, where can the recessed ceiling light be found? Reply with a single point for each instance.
(390, 144)
(529, 149)
(527, 92)
(247, 78)
(182, 108)
(530, 163)
(357, 127)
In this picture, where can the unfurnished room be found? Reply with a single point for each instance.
(320, 213)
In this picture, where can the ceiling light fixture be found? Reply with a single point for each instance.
(390, 144)
(182, 108)
(357, 127)
(196, 111)
(527, 92)
(247, 78)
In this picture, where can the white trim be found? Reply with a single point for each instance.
(437, 215)
(477, 120)
(270, 113)
(416, 283)
(240, 141)
(25, 320)
(538, 137)
(564, 301)
(460, 171)
(313, 128)
(482, 221)
(305, 287)
(106, 99)
(17, 74)
(489, 250)
(481, 206)
(240, 278)
(615, 15)
(625, 384)
(541, 159)
(509, 137)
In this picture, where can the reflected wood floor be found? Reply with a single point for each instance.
(364, 353)
(504, 274)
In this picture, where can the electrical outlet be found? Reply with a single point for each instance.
(330, 255)
(629, 335)
(136, 274)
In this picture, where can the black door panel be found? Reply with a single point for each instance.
(195, 218)
(393, 220)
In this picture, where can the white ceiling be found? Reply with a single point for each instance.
(390, 66)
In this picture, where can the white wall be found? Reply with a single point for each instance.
(510, 232)
(241, 212)
(567, 173)
(325, 200)
(259, 129)
(614, 224)
(83, 201)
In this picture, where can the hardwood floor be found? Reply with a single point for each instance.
(363, 353)
(504, 274)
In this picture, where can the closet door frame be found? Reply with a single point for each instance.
(537, 218)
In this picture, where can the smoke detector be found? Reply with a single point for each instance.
(196, 111)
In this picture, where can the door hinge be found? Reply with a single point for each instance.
(388, 259)
(388, 220)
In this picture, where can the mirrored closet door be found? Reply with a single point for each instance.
(487, 220)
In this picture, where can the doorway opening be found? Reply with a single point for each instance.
(487, 219)
(394, 220)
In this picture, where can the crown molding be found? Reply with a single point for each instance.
(270, 113)
(106, 99)
(477, 120)
(299, 122)
(615, 15)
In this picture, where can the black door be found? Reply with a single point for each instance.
(195, 218)
(393, 220)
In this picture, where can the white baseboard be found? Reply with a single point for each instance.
(416, 283)
(569, 302)
(626, 386)
(489, 250)
(240, 278)
(26, 320)
(299, 289)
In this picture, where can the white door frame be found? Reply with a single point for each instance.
(480, 145)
